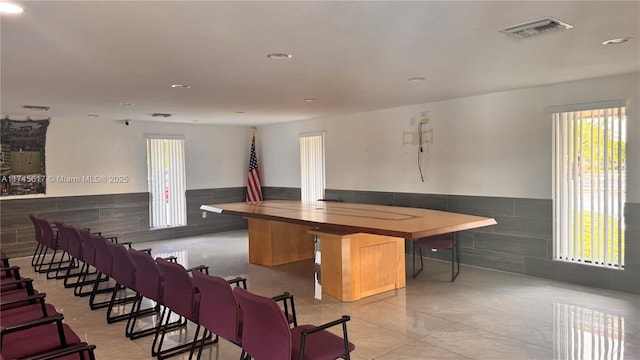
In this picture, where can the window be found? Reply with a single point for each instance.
(312, 166)
(165, 163)
(589, 185)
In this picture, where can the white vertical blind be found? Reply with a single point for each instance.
(167, 182)
(590, 186)
(312, 166)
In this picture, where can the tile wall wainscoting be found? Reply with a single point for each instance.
(520, 243)
(122, 215)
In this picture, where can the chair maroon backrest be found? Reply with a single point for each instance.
(266, 333)
(63, 239)
(123, 272)
(75, 250)
(437, 242)
(181, 296)
(89, 258)
(104, 265)
(50, 241)
(38, 237)
(219, 311)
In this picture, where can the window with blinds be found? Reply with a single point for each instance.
(312, 166)
(590, 185)
(167, 182)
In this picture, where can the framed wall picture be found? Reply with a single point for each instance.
(22, 156)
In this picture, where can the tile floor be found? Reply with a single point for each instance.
(483, 315)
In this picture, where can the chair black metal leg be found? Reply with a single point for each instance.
(455, 254)
(415, 273)
(125, 300)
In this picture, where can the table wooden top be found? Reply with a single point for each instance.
(408, 223)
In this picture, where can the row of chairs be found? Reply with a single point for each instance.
(263, 329)
(32, 328)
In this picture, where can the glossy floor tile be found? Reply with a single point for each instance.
(483, 315)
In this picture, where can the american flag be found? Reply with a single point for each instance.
(254, 189)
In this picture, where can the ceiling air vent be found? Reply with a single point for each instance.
(36, 107)
(162, 115)
(536, 27)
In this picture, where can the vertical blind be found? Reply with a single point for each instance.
(167, 182)
(590, 186)
(312, 166)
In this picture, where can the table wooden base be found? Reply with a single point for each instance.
(274, 243)
(357, 265)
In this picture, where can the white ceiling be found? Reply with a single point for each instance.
(87, 57)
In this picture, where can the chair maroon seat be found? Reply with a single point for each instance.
(434, 243)
(16, 289)
(17, 341)
(25, 309)
(181, 296)
(266, 333)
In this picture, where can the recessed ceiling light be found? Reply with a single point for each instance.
(416, 79)
(308, 100)
(180, 86)
(617, 41)
(279, 56)
(7, 8)
(126, 103)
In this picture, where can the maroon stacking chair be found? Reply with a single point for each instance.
(64, 247)
(182, 297)
(89, 257)
(104, 265)
(219, 311)
(37, 253)
(124, 273)
(50, 242)
(266, 333)
(435, 243)
(149, 284)
(75, 249)
(46, 337)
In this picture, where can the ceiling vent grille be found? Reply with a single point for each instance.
(161, 115)
(36, 107)
(536, 27)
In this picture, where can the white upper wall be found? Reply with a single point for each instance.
(489, 145)
(216, 156)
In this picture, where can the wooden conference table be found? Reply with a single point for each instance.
(362, 245)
